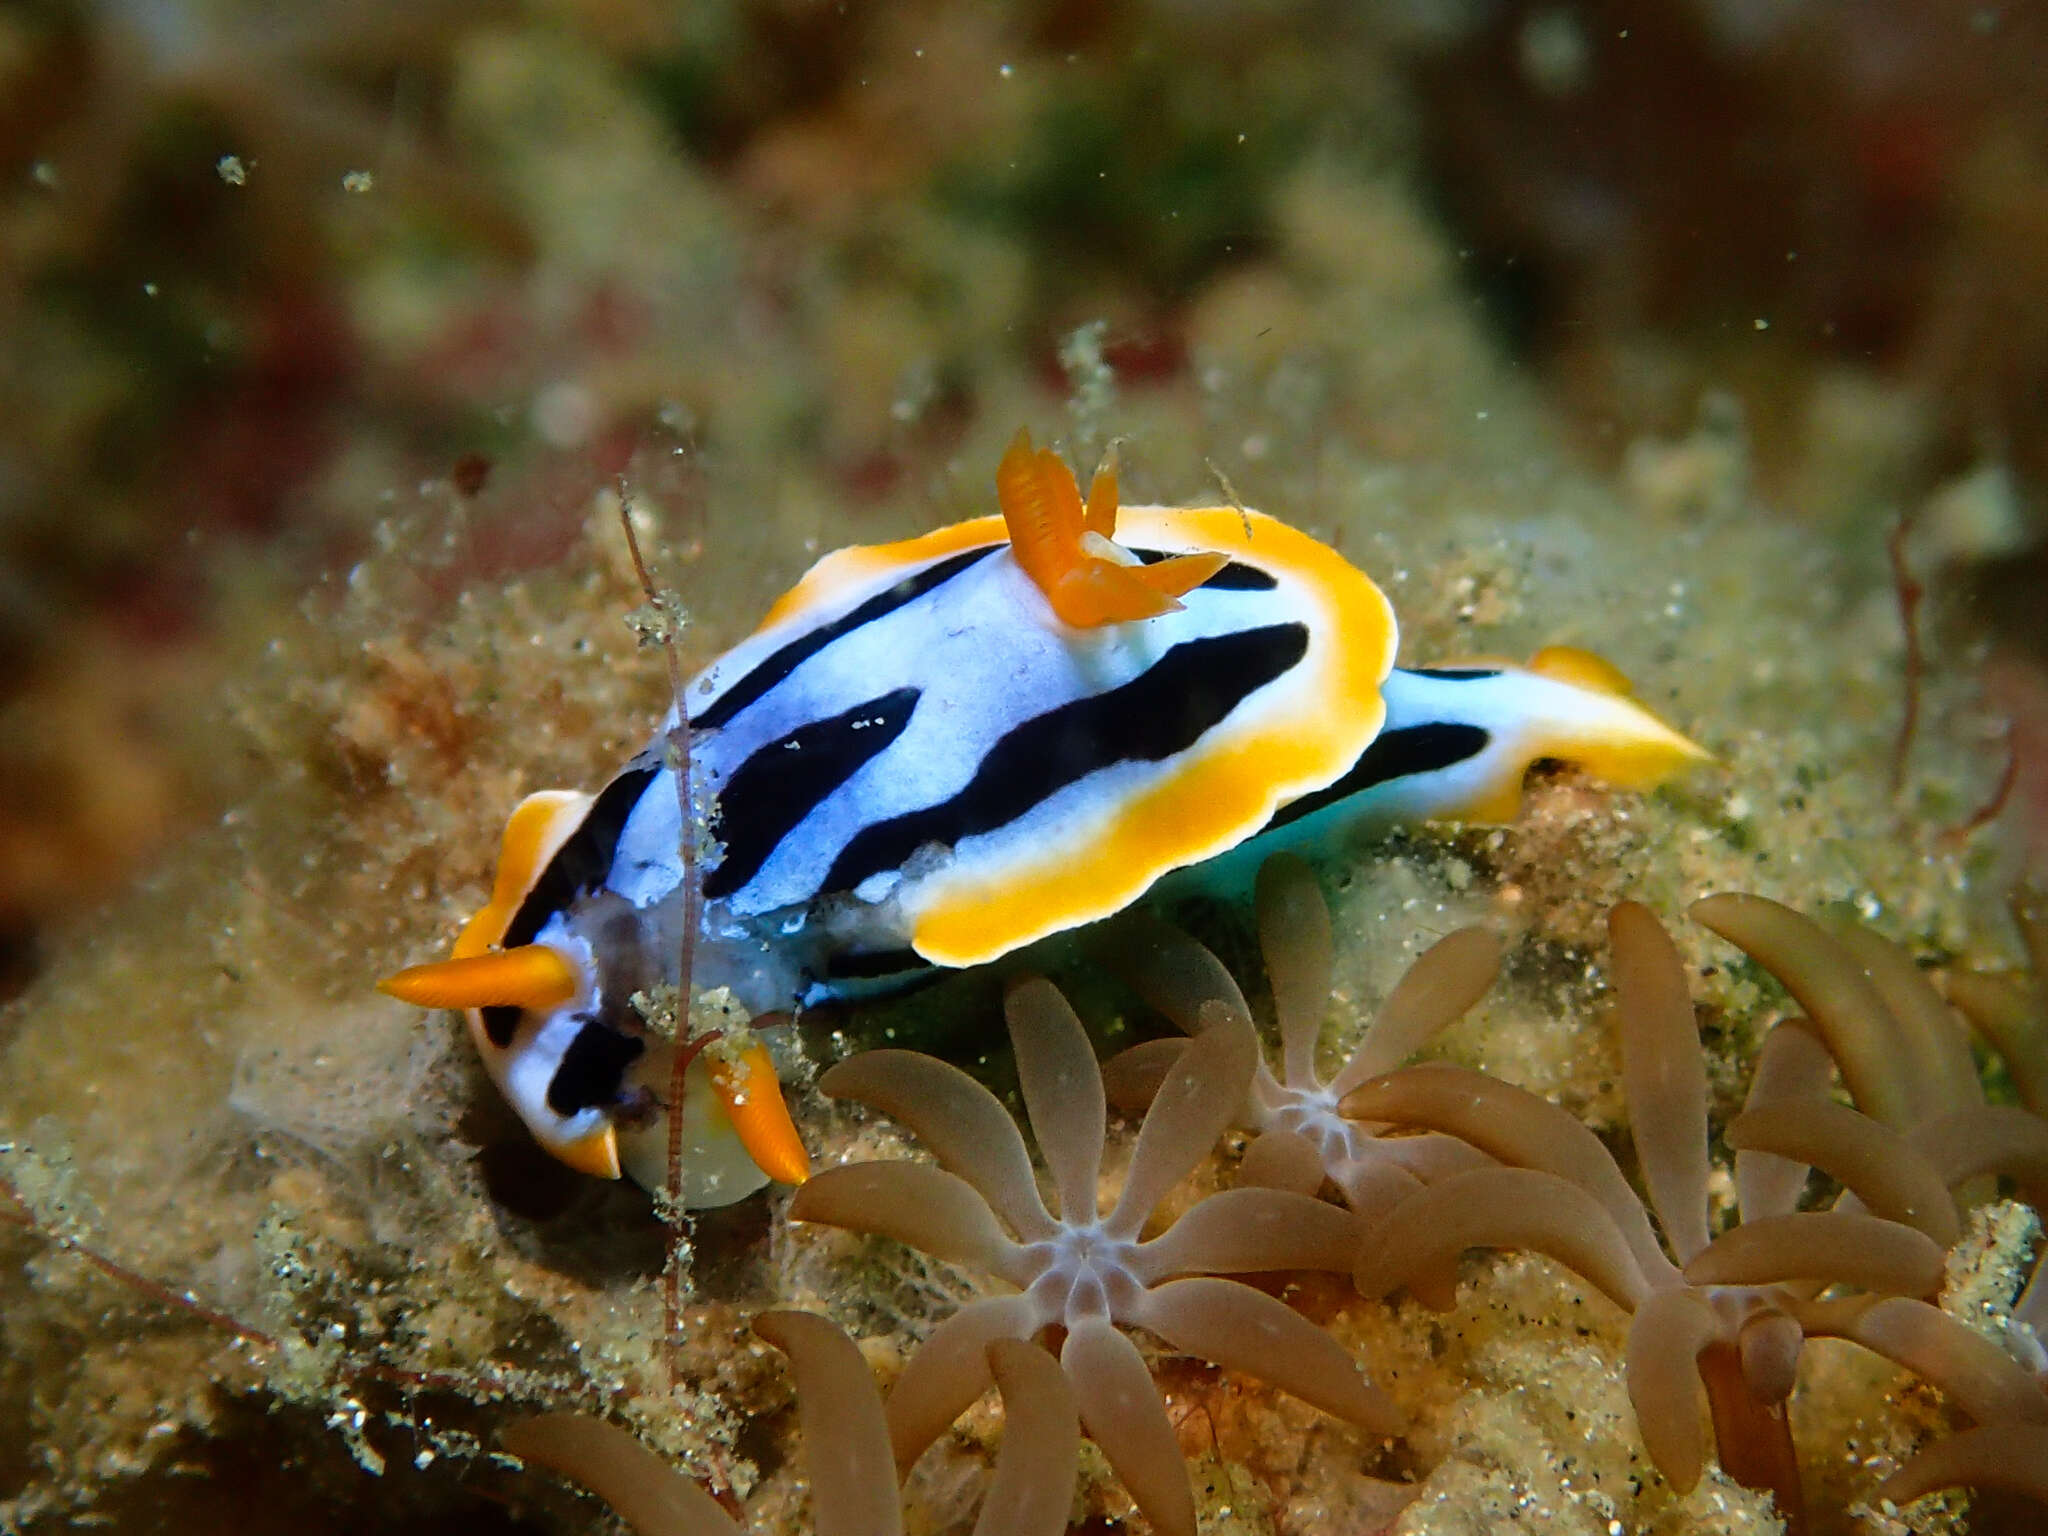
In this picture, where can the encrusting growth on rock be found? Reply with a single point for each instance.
(846, 1446)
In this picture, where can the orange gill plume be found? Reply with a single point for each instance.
(1069, 551)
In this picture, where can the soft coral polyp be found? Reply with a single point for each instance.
(1089, 1274)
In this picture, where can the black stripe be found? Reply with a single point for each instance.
(584, 861)
(1164, 710)
(501, 1022)
(580, 865)
(592, 1069)
(783, 782)
(774, 668)
(1394, 754)
(1234, 577)
(1239, 577)
(1455, 674)
(872, 964)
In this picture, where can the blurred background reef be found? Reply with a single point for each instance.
(1711, 334)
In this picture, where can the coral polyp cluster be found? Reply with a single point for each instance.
(1303, 1137)
(1717, 1321)
(847, 1446)
(1083, 1272)
(1721, 1314)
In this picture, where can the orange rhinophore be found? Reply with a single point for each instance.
(747, 1087)
(531, 976)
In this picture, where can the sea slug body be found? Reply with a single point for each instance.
(935, 752)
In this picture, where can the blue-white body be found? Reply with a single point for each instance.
(917, 762)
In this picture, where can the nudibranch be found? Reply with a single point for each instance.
(935, 752)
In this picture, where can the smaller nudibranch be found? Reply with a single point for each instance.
(935, 752)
